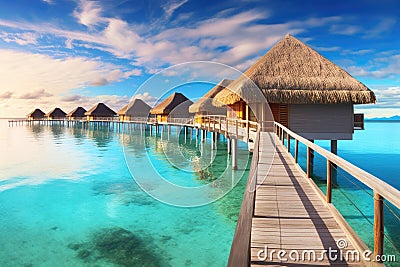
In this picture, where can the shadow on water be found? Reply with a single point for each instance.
(121, 247)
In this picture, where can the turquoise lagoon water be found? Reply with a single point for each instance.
(67, 198)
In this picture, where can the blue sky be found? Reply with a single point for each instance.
(78, 52)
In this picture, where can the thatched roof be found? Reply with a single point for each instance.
(169, 104)
(77, 112)
(56, 113)
(100, 110)
(37, 113)
(205, 104)
(137, 108)
(294, 73)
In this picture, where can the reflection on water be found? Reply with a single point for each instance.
(101, 136)
(57, 131)
(67, 196)
(37, 130)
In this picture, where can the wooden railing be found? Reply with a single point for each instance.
(182, 121)
(137, 119)
(229, 125)
(381, 189)
(105, 119)
(240, 254)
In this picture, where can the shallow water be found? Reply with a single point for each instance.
(67, 198)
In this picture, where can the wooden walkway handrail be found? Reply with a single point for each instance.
(385, 190)
(381, 190)
(240, 254)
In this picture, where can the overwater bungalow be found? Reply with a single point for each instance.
(76, 114)
(37, 114)
(136, 110)
(175, 106)
(100, 112)
(204, 105)
(306, 92)
(56, 114)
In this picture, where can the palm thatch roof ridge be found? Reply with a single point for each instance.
(137, 107)
(57, 112)
(101, 110)
(204, 104)
(77, 112)
(294, 73)
(168, 105)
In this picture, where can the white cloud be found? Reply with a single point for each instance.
(230, 39)
(120, 39)
(48, 1)
(20, 38)
(6, 95)
(146, 97)
(384, 26)
(68, 44)
(382, 67)
(169, 8)
(27, 72)
(357, 52)
(101, 81)
(133, 72)
(321, 49)
(38, 94)
(345, 29)
(88, 13)
(71, 98)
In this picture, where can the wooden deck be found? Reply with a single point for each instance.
(290, 215)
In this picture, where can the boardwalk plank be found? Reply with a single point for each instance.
(288, 213)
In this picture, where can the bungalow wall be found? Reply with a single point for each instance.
(239, 110)
(321, 121)
(162, 117)
(35, 117)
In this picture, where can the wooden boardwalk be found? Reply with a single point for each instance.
(290, 215)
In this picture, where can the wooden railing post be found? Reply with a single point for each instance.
(236, 128)
(296, 151)
(378, 224)
(328, 182)
(283, 137)
(288, 142)
(309, 160)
